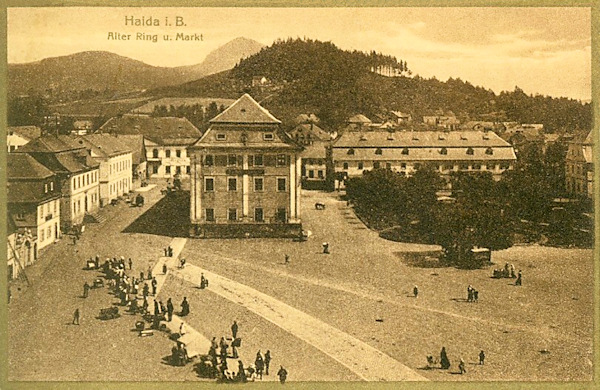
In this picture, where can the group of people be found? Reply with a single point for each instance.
(444, 362)
(509, 272)
(472, 294)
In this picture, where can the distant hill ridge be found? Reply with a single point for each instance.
(102, 70)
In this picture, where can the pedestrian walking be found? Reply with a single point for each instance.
(326, 248)
(142, 276)
(475, 295)
(163, 309)
(416, 291)
(154, 286)
(282, 374)
(259, 363)
(267, 361)
(130, 263)
(156, 309)
(9, 295)
(287, 259)
(470, 293)
(169, 310)
(481, 357)
(146, 290)
(164, 268)
(234, 329)
(519, 280)
(512, 271)
(145, 305)
(166, 252)
(86, 289)
(461, 366)
(185, 307)
(170, 254)
(76, 317)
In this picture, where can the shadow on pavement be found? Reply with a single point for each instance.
(169, 217)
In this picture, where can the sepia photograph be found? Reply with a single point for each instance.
(223, 195)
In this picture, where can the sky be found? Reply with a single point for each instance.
(542, 50)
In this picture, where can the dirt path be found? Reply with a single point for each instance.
(365, 361)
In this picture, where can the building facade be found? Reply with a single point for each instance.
(33, 207)
(115, 159)
(579, 175)
(165, 140)
(245, 176)
(76, 172)
(406, 151)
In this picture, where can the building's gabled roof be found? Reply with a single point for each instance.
(23, 166)
(50, 144)
(246, 137)
(315, 150)
(358, 118)
(245, 110)
(315, 131)
(401, 114)
(27, 132)
(402, 139)
(105, 145)
(157, 129)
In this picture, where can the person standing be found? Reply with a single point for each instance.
(156, 308)
(287, 259)
(326, 248)
(76, 317)
(146, 290)
(86, 289)
(282, 374)
(145, 305)
(164, 268)
(154, 286)
(481, 357)
(149, 273)
(142, 276)
(461, 366)
(130, 264)
(169, 310)
(267, 361)
(475, 295)
(259, 363)
(234, 329)
(519, 281)
(185, 307)
(416, 291)
(444, 362)
(470, 293)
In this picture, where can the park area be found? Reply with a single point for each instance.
(362, 291)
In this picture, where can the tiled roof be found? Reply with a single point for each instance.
(420, 139)
(50, 144)
(23, 166)
(27, 132)
(316, 150)
(105, 145)
(424, 154)
(358, 118)
(21, 191)
(156, 129)
(232, 136)
(314, 130)
(245, 110)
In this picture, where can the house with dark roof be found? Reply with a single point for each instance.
(245, 176)
(406, 151)
(166, 140)
(77, 175)
(316, 142)
(579, 175)
(17, 136)
(115, 158)
(33, 205)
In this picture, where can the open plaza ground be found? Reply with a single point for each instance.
(360, 293)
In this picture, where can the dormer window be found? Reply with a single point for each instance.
(470, 151)
(45, 188)
(220, 136)
(489, 151)
(378, 151)
(443, 151)
(51, 186)
(351, 151)
(268, 136)
(405, 151)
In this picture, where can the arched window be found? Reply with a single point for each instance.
(470, 151)
(489, 151)
(378, 151)
(351, 151)
(405, 151)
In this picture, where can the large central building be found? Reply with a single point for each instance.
(245, 176)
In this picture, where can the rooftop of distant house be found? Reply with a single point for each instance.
(160, 130)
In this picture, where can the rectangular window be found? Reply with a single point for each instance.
(376, 165)
(345, 165)
(258, 184)
(209, 160)
(155, 169)
(210, 215)
(232, 184)
(258, 160)
(79, 182)
(178, 152)
(167, 169)
(178, 170)
(51, 186)
(49, 232)
(56, 208)
(281, 159)
(281, 185)
(360, 165)
(209, 184)
(232, 214)
(281, 215)
(168, 153)
(311, 173)
(320, 174)
(259, 215)
(268, 136)
(220, 136)
(187, 169)
(45, 188)
(42, 238)
(231, 160)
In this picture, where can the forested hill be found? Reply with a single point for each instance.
(313, 76)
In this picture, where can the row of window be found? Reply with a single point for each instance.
(48, 210)
(259, 215)
(168, 169)
(77, 205)
(122, 185)
(223, 136)
(443, 151)
(320, 174)
(232, 184)
(120, 166)
(84, 180)
(48, 186)
(440, 167)
(575, 169)
(178, 153)
(46, 234)
(256, 160)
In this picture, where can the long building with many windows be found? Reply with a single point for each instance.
(245, 176)
(406, 151)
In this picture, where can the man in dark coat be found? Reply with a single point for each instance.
(86, 289)
(146, 290)
(76, 317)
(234, 329)
(267, 361)
(130, 263)
(185, 307)
(444, 362)
(282, 374)
(154, 286)
(169, 309)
